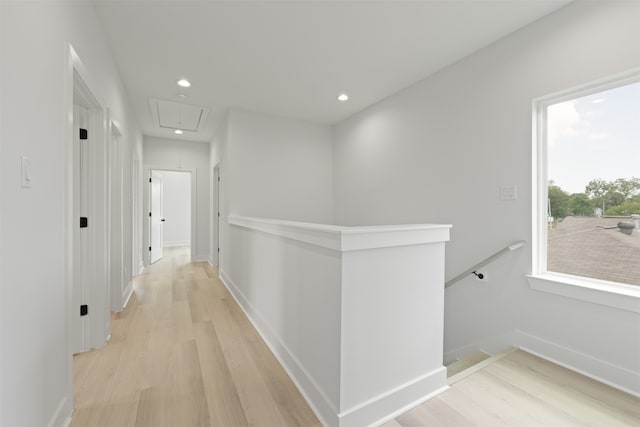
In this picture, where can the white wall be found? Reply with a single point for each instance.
(273, 167)
(278, 168)
(36, 368)
(176, 208)
(439, 151)
(174, 154)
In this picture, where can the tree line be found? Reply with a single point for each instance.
(617, 197)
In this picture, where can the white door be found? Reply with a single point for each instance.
(216, 238)
(80, 229)
(156, 218)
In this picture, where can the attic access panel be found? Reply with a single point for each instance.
(175, 115)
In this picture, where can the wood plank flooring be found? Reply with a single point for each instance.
(182, 353)
(460, 365)
(521, 389)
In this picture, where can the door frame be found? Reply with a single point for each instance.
(156, 215)
(137, 263)
(215, 250)
(118, 286)
(147, 207)
(77, 83)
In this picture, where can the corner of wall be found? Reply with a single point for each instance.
(62, 416)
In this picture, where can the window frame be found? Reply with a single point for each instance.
(619, 295)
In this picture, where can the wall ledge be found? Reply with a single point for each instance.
(623, 297)
(340, 238)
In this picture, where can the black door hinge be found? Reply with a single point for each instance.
(149, 179)
(218, 179)
(84, 310)
(84, 134)
(218, 250)
(149, 213)
(218, 214)
(84, 222)
(149, 248)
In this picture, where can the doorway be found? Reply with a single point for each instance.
(170, 214)
(90, 310)
(216, 216)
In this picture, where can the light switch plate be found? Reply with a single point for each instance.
(25, 169)
(508, 192)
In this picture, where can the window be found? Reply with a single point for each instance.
(587, 185)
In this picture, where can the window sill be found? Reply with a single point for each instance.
(623, 297)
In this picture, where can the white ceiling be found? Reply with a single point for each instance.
(292, 58)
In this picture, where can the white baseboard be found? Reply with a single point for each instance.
(126, 295)
(392, 403)
(373, 412)
(62, 416)
(489, 345)
(179, 243)
(200, 257)
(600, 370)
(323, 408)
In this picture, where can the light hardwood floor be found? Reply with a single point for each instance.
(521, 389)
(183, 354)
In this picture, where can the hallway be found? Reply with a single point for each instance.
(182, 353)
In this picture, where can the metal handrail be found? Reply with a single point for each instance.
(472, 270)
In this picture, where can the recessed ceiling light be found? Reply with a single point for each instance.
(343, 97)
(178, 132)
(184, 83)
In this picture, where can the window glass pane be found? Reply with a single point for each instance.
(593, 146)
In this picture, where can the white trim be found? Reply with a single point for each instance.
(490, 345)
(115, 172)
(70, 60)
(540, 278)
(177, 243)
(410, 406)
(382, 408)
(480, 366)
(126, 295)
(600, 370)
(321, 405)
(343, 239)
(200, 258)
(62, 415)
(146, 207)
(611, 294)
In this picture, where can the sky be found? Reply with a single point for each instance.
(596, 136)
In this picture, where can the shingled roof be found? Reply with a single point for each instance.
(595, 247)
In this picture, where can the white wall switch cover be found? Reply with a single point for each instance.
(25, 171)
(508, 192)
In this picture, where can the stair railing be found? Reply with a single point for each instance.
(478, 266)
